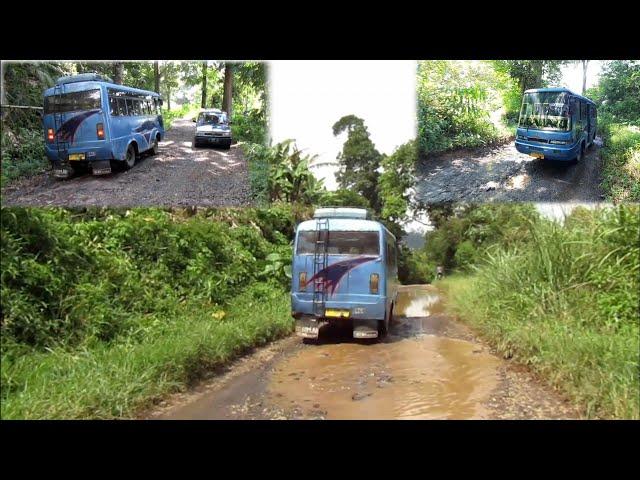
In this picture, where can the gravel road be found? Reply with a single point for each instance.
(179, 175)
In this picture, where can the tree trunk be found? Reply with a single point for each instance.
(228, 89)
(156, 75)
(168, 98)
(584, 75)
(203, 104)
(118, 72)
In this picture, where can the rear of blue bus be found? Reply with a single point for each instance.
(75, 128)
(545, 126)
(354, 279)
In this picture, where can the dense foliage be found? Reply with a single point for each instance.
(563, 299)
(94, 283)
(617, 95)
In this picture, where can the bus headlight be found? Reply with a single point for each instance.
(374, 280)
(302, 281)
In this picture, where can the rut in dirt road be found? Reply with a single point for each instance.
(428, 367)
(179, 175)
(504, 174)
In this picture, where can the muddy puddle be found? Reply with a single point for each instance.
(418, 371)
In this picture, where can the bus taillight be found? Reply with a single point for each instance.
(50, 135)
(373, 283)
(100, 131)
(302, 281)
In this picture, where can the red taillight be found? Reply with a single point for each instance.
(100, 131)
(302, 281)
(374, 280)
(50, 135)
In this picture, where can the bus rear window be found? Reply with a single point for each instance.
(341, 243)
(72, 102)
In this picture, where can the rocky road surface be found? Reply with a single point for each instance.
(179, 175)
(429, 367)
(503, 174)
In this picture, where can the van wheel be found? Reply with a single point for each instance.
(130, 159)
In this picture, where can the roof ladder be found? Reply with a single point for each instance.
(62, 145)
(320, 259)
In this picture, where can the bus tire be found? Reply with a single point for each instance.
(580, 155)
(154, 148)
(130, 158)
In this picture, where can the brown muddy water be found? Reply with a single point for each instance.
(428, 367)
(419, 371)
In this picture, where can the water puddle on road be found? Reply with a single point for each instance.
(412, 374)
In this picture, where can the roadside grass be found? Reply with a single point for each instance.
(621, 162)
(565, 305)
(119, 379)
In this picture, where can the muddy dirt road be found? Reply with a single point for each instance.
(428, 367)
(504, 174)
(179, 175)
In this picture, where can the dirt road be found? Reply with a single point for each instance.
(428, 367)
(179, 175)
(503, 174)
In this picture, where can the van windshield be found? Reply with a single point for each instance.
(545, 111)
(72, 102)
(211, 119)
(341, 243)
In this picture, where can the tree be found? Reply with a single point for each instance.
(156, 76)
(531, 73)
(585, 63)
(169, 80)
(203, 103)
(118, 72)
(395, 182)
(359, 160)
(227, 96)
(618, 90)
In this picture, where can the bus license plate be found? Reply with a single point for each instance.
(76, 156)
(537, 155)
(333, 313)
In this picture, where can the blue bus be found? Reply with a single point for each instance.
(556, 124)
(344, 270)
(90, 122)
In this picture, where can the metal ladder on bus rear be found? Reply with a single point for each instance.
(320, 259)
(62, 146)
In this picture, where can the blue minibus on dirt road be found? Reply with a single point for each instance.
(556, 124)
(90, 122)
(344, 270)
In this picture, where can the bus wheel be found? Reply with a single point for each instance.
(580, 154)
(154, 147)
(130, 159)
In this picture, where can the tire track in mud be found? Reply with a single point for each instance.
(503, 174)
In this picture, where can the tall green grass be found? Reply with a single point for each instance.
(118, 379)
(621, 158)
(566, 305)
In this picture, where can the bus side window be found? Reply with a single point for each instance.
(113, 106)
(122, 106)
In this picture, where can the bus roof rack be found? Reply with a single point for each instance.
(341, 212)
(83, 77)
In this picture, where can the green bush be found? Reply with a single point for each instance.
(250, 127)
(22, 154)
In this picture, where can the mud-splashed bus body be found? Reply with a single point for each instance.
(355, 283)
(556, 124)
(91, 122)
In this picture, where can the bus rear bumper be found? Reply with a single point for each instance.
(561, 153)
